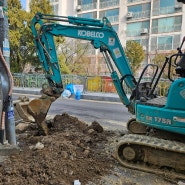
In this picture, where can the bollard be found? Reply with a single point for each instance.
(78, 95)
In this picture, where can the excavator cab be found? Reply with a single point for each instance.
(154, 111)
(180, 69)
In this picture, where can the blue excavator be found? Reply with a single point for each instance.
(156, 133)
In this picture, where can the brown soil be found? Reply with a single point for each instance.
(72, 150)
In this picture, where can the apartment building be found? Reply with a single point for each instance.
(60, 7)
(155, 24)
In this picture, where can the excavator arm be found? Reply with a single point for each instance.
(100, 33)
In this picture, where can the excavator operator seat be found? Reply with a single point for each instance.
(180, 69)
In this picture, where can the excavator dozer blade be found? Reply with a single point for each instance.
(21, 110)
(21, 113)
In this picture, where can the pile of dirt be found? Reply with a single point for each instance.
(72, 150)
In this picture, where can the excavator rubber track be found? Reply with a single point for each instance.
(153, 155)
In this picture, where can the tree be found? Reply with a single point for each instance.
(22, 49)
(135, 54)
(36, 6)
(71, 58)
(42, 6)
(64, 69)
(73, 52)
(16, 27)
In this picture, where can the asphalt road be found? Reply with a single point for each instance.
(110, 115)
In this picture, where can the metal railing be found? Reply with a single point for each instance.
(90, 83)
(140, 15)
(166, 28)
(166, 10)
(113, 19)
(164, 46)
(90, 6)
(134, 1)
(29, 80)
(132, 33)
(107, 4)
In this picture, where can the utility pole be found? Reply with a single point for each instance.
(7, 121)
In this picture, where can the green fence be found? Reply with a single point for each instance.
(90, 83)
(29, 80)
(37, 80)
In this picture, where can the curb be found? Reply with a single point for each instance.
(110, 97)
(26, 91)
(101, 97)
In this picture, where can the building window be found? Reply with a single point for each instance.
(162, 7)
(166, 25)
(140, 11)
(112, 15)
(87, 4)
(137, 28)
(81, 2)
(55, 9)
(115, 27)
(165, 42)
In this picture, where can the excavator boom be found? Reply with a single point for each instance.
(99, 33)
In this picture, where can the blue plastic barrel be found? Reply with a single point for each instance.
(77, 95)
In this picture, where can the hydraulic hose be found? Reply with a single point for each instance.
(11, 84)
(8, 72)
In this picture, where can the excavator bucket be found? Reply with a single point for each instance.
(33, 111)
(38, 108)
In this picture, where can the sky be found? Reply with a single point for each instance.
(23, 3)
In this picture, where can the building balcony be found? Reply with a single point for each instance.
(166, 29)
(108, 4)
(137, 15)
(138, 32)
(136, 1)
(162, 47)
(165, 47)
(167, 10)
(113, 19)
(86, 7)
